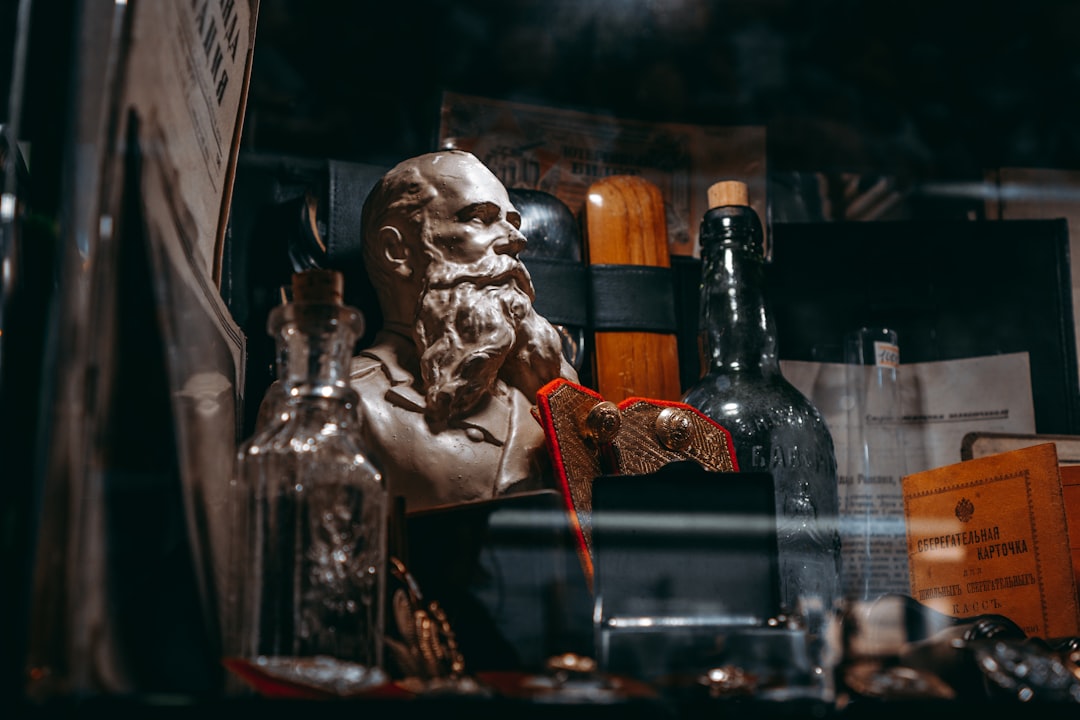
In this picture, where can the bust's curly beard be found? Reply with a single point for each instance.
(477, 325)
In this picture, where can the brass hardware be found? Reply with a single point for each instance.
(602, 422)
(674, 428)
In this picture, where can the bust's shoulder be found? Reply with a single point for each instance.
(364, 365)
(380, 364)
(387, 365)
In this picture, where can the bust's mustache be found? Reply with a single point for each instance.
(489, 270)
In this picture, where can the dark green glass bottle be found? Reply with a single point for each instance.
(773, 426)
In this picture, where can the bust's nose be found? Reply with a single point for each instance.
(513, 243)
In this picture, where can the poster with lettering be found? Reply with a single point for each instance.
(562, 152)
(989, 536)
(187, 70)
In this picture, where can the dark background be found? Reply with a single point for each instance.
(921, 89)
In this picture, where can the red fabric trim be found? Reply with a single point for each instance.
(543, 404)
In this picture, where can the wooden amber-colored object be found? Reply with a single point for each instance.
(625, 225)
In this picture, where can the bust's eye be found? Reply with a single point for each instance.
(480, 213)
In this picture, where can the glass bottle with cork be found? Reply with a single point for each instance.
(312, 537)
(774, 427)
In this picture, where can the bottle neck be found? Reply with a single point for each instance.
(316, 342)
(738, 327)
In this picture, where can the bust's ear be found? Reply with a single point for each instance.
(395, 251)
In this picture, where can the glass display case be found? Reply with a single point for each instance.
(169, 167)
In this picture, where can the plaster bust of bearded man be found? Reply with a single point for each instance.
(447, 388)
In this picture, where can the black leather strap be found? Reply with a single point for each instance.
(632, 298)
(561, 291)
(687, 273)
(348, 186)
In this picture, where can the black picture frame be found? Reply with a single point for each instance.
(951, 290)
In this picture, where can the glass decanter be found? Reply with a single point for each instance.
(315, 539)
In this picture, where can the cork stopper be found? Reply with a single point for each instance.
(324, 287)
(728, 192)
